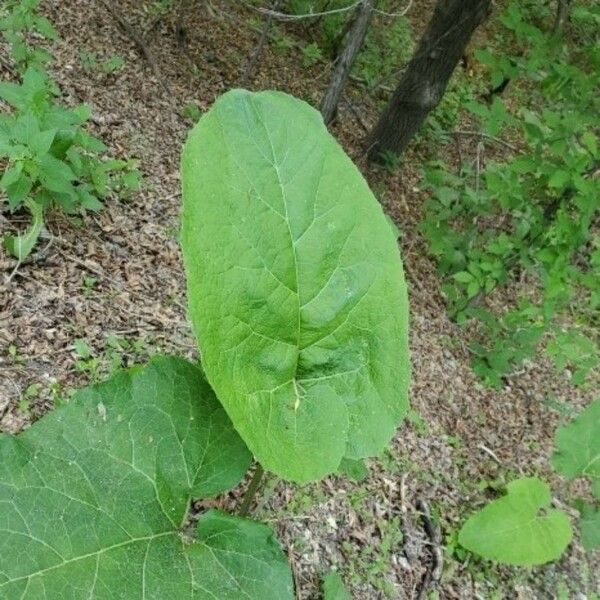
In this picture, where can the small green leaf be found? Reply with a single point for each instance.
(83, 112)
(41, 142)
(333, 587)
(11, 175)
(43, 26)
(589, 140)
(94, 498)
(463, 277)
(88, 200)
(17, 191)
(519, 528)
(5, 145)
(473, 288)
(20, 246)
(559, 179)
(132, 180)
(11, 93)
(578, 447)
(589, 525)
(354, 469)
(82, 349)
(26, 128)
(90, 143)
(56, 175)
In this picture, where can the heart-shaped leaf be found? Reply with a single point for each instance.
(94, 498)
(296, 289)
(519, 528)
(578, 447)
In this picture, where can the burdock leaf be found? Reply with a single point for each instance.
(296, 289)
(589, 525)
(578, 447)
(334, 588)
(519, 528)
(94, 498)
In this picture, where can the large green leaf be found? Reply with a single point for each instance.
(296, 289)
(94, 498)
(578, 447)
(589, 525)
(519, 528)
(333, 587)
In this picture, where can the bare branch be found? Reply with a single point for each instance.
(486, 136)
(279, 16)
(400, 13)
(352, 45)
(134, 36)
(334, 11)
(435, 568)
(356, 114)
(253, 60)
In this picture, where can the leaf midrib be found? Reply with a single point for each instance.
(275, 166)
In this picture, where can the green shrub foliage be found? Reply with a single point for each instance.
(529, 218)
(50, 158)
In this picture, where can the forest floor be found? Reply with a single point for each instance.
(109, 290)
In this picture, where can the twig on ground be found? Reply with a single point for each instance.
(434, 569)
(8, 67)
(333, 11)
(290, 518)
(403, 493)
(327, 63)
(251, 491)
(137, 40)
(380, 83)
(490, 452)
(7, 406)
(253, 60)
(459, 152)
(414, 280)
(480, 150)
(33, 258)
(486, 136)
(96, 270)
(357, 115)
(14, 271)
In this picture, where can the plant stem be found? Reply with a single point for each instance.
(251, 491)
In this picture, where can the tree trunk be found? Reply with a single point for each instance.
(562, 14)
(345, 60)
(180, 28)
(426, 77)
